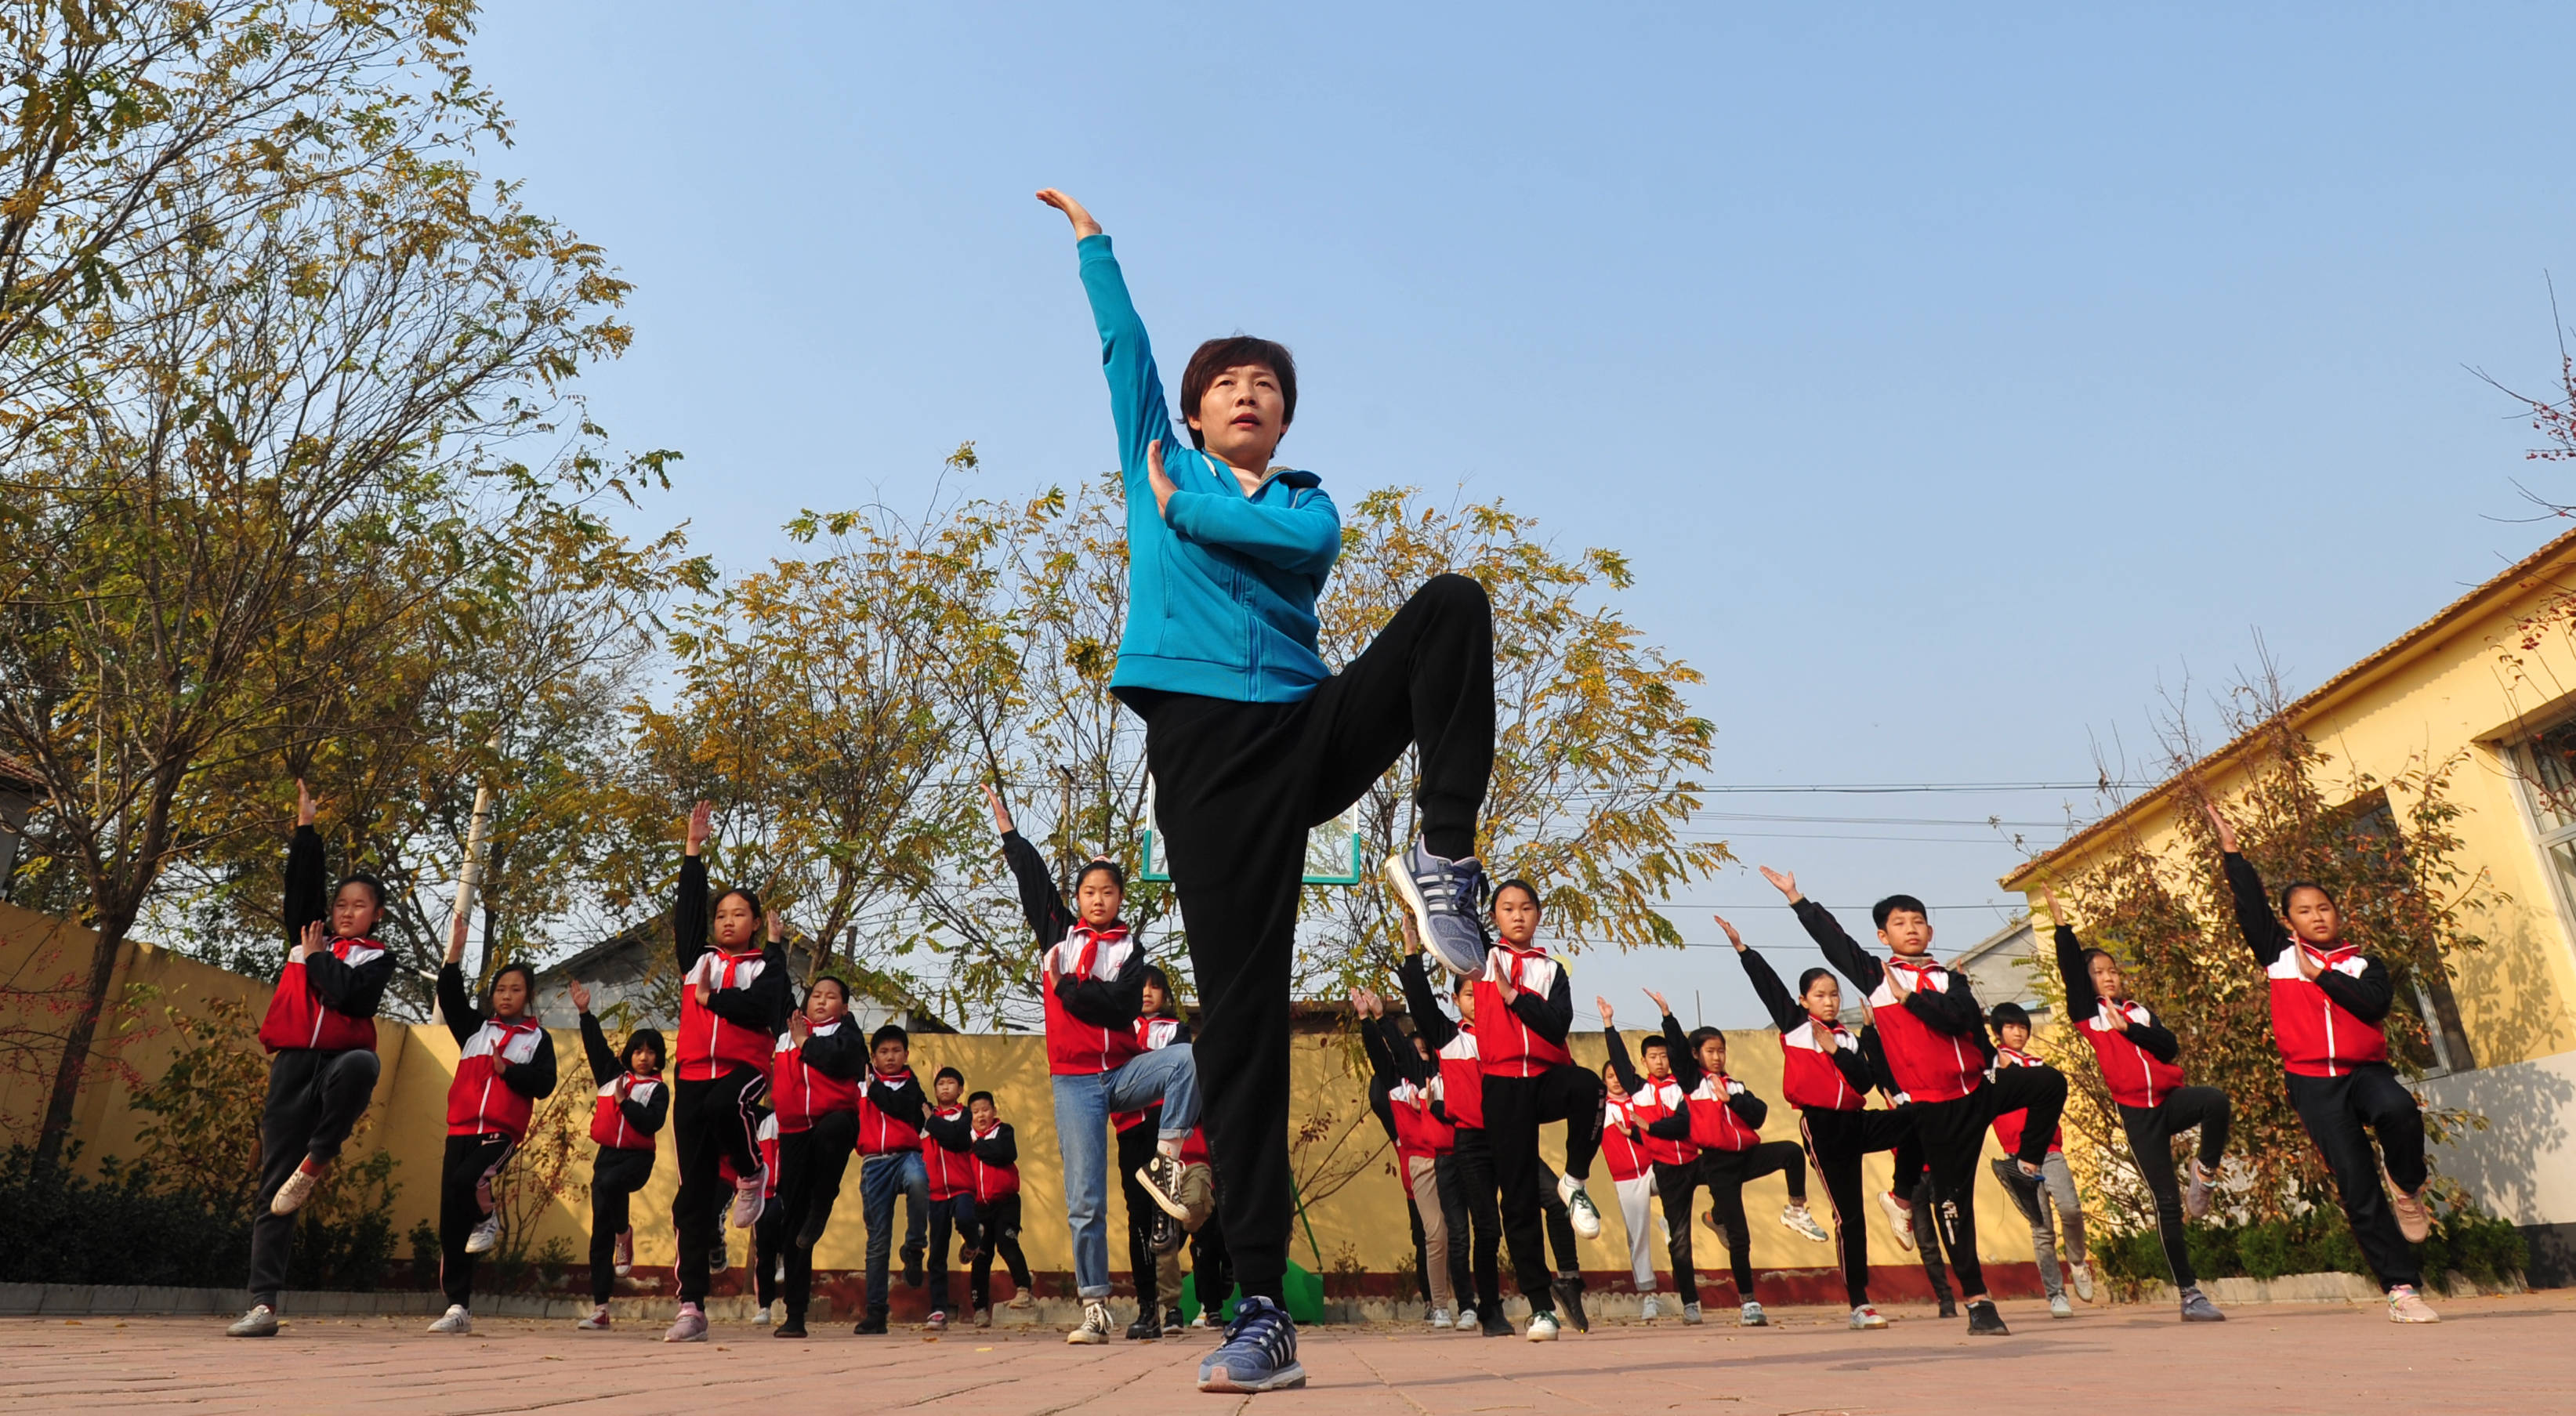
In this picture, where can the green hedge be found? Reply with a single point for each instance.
(2485, 1248)
(129, 1226)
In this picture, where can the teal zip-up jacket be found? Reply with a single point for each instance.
(1220, 588)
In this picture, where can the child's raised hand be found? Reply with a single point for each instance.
(456, 938)
(2218, 822)
(1001, 814)
(305, 805)
(1896, 984)
(1603, 1006)
(799, 1027)
(1731, 936)
(772, 917)
(2115, 1016)
(313, 940)
(580, 995)
(1412, 938)
(701, 819)
(2056, 909)
(1782, 881)
(2309, 968)
(1083, 225)
(1662, 1008)
(1158, 479)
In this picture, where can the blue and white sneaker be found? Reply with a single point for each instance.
(1259, 1352)
(1447, 901)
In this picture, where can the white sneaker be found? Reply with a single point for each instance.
(1900, 1217)
(1797, 1220)
(486, 1236)
(1646, 1311)
(2406, 1306)
(1752, 1315)
(1440, 1319)
(1866, 1318)
(625, 1254)
(1542, 1327)
(762, 1318)
(596, 1322)
(1466, 1319)
(260, 1321)
(456, 1323)
(1579, 1209)
(2058, 1307)
(1022, 1301)
(1095, 1325)
(298, 1188)
(1690, 1315)
(2082, 1273)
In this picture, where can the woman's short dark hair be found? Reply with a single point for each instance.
(1808, 979)
(2295, 886)
(1233, 352)
(1117, 873)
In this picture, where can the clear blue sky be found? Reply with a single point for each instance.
(1953, 382)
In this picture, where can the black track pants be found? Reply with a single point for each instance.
(2342, 1114)
(314, 1102)
(2151, 1131)
(1836, 1142)
(1954, 1135)
(465, 1179)
(1515, 1107)
(712, 1121)
(614, 1178)
(1726, 1174)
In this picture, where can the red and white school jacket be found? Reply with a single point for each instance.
(2008, 1127)
(1929, 1065)
(1714, 1124)
(1076, 1048)
(1809, 1078)
(1509, 1048)
(768, 1138)
(952, 1173)
(801, 1093)
(608, 1124)
(297, 1016)
(2135, 1076)
(881, 1133)
(1152, 1035)
(479, 1103)
(993, 1181)
(1418, 1130)
(1462, 1080)
(2316, 1036)
(1658, 1098)
(711, 1046)
(1626, 1157)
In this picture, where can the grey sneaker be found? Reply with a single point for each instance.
(486, 1236)
(1799, 1221)
(2083, 1273)
(1752, 1315)
(1690, 1315)
(1259, 1352)
(2058, 1307)
(1095, 1325)
(260, 1321)
(2196, 1308)
(689, 1326)
(456, 1322)
(1447, 901)
(748, 1201)
(2196, 1194)
(1646, 1311)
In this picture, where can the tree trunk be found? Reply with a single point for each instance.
(74, 1063)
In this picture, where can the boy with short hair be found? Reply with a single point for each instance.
(891, 1110)
(1934, 1032)
(1625, 1150)
(2055, 1184)
(1252, 740)
(996, 1155)
(948, 1164)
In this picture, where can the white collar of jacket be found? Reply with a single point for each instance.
(1804, 1036)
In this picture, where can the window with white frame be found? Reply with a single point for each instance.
(2545, 770)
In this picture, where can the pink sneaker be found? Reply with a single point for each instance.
(690, 1326)
(2405, 1306)
(747, 1199)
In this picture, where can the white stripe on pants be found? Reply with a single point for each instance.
(1637, 1208)
(1424, 1176)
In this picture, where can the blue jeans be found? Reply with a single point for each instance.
(1167, 1077)
(881, 1177)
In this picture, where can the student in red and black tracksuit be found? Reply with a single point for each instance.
(506, 1066)
(2141, 1064)
(1723, 1117)
(769, 1235)
(1406, 1108)
(891, 1108)
(1651, 1097)
(1470, 1175)
(1525, 1004)
(734, 1000)
(632, 1104)
(1826, 1072)
(2329, 1001)
(1151, 1230)
(1631, 1164)
(996, 1171)
(2054, 1187)
(1934, 1031)
(320, 1035)
(948, 1166)
(814, 1073)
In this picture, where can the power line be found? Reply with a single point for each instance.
(1869, 820)
(1840, 836)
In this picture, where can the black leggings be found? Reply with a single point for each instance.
(811, 1163)
(314, 1102)
(1954, 1136)
(2342, 1114)
(1515, 1107)
(2151, 1131)
(1836, 1141)
(1000, 1217)
(1466, 1177)
(714, 1121)
(1726, 1173)
(465, 1199)
(1238, 786)
(1675, 1185)
(1135, 1147)
(614, 1178)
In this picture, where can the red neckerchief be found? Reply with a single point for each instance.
(1092, 939)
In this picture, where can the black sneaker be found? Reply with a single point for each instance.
(1146, 1328)
(1167, 1234)
(873, 1325)
(2196, 1308)
(1161, 1177)
(1984, 1321)
(1173, 1321)
(793, 1327)
(1492, 1323)
(912, 1274)
(1569, 1301)
(1949, 1309)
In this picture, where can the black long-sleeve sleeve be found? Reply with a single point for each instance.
(1873, 1053)
(1683, 1056)
(1040, 901)
(605, 1064)
(463, 1019)
(953, 1133)
(690, 912)
(357, 992)
(1430, 1022)
(1380, 1049)
(1853, 1064)
(308, 884)
(2264, 933)
(902, 1102)
(1847, 957)
(1620, 1067)
(2081, 1001)
(535, 1078)
(1953, 1010)
(763, 1004)
(1551, 1017)
(1115, 1002)
(2156, 1038)
(999, 1148)
(1673, 1125)
(2368, 997)
(1752, 1108)
(648, 1115)
(1786, 1014)
(1383, 1077)
(841, 1054)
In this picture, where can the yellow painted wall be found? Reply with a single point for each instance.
(1366, 1218)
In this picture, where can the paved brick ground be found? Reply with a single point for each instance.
(2510, 1354)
